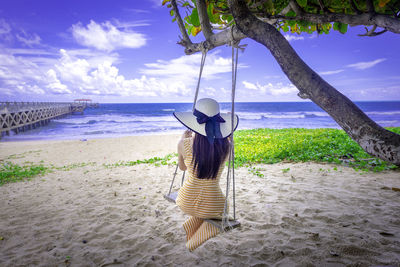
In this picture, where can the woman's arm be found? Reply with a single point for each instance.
(181, 149)
(181, 162)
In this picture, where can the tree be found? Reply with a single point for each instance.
(263, 21)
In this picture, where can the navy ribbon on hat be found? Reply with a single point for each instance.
(212, 125)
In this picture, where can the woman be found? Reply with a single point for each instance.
(203, 156)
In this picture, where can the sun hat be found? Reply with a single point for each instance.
(207, 120)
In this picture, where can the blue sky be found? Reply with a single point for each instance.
(125, 51)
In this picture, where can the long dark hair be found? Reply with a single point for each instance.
(208, 157)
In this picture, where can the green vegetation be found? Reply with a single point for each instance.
(10, 172)
(73, 166)
(257, 146)
(256, 171)
(306, 19)
(157, 161)
(22, 155)
(300, 145)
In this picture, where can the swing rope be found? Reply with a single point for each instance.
(231, 160)
(231, 164)
(203, 60)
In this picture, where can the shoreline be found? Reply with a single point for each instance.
(88, 137)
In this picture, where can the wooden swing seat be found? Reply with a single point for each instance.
(217, 223)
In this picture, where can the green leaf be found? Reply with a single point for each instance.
(336, 26)
(194, 18)
(171, 12)
(291, 13)
(195, 30)
(343, 27)
(382, 3)
(189, 29)
(302, 3)
(211, 14)
(165, 1)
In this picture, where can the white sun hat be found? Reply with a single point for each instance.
(206, 120)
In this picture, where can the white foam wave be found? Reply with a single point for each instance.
(110, 118)
(388, 122)
(395, 112)
(284, 116)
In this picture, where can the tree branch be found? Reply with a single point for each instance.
(204, 20)
(218, 39)
(370, 6)
(382, 21)
(354, 7)
(372, 32)
(296, 8)
(322, 6)
(178, 17)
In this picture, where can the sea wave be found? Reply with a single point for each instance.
(388, 122)
(112, 119)
(278, 115)
(386, 113)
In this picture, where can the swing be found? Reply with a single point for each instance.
(226, 223)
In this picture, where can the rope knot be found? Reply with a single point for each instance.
(235, 43)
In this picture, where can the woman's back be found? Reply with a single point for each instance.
(201, 198)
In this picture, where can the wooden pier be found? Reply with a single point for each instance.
(22, 116)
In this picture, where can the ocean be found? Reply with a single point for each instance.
(115, 120)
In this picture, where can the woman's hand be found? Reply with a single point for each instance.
(187, 134)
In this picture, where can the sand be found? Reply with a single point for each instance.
(298, 214)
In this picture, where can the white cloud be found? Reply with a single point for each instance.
(156, 3)
(29, 40)
(272, 89)
(104, 79)
(330, 72)
(20, 74)
(210, 91)
(250, 86)
(106, 36)
(186, 68)
(293, 37)
(4, 27)
(10, 34)
(131, 24)
(84, 72)
(54, 83)
(366, 65)
(5, 31)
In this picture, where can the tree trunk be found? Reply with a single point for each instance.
(374, 139)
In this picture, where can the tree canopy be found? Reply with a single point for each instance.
(295, 16)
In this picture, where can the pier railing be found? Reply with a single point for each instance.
(21, 116)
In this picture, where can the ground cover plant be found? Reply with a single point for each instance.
(258, 146)
(11, 172)
(300, 145)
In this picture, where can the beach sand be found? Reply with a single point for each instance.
(298, 214)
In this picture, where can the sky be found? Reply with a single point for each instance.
(125, 52)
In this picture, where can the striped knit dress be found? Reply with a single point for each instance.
(201, 199)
